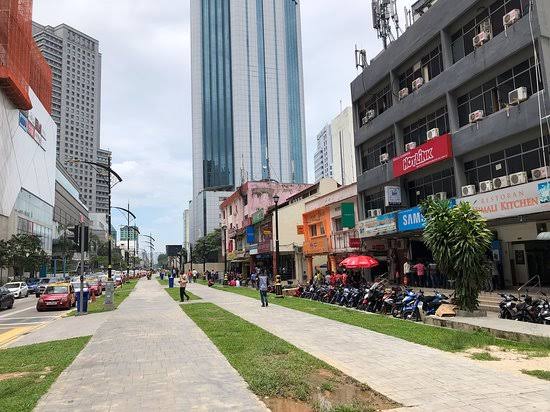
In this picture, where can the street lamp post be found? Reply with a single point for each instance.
(110, 171)
(128, 237)
(151, 247)
(278, 286)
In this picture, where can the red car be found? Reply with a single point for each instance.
(56, 296)
(95, 287)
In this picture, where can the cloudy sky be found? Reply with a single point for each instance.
(146, 99)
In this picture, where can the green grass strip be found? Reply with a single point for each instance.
(537, 373)
(450, 340)
(40, 365)
(121, 293)
(271, 366)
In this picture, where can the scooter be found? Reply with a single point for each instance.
(411, 311)
(432, 303)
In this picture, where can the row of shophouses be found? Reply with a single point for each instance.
(319, 226)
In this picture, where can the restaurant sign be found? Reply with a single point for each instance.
(533, 197)
(380, 225)
(433, 151)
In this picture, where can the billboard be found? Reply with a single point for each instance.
(173, 250)
(433, 151)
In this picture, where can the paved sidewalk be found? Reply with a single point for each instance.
(419, 377)
(63, 328)
(148, 355)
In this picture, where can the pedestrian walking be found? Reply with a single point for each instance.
(253, 279)
(407, 272)
(420, 274)
(263, 283)
(184, 280)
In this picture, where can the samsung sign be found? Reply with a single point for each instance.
(413, 219)
(410, 219)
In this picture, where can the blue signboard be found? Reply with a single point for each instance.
(413, 219)
(410, 219)
(250, 235)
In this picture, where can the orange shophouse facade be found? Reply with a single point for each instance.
(326, 241)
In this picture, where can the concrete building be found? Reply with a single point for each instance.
(453, 109)
(69, 210)
(334, 156)
(102, 186)
(75, 61)
(322, 158)
(247, 236)
(248, 104)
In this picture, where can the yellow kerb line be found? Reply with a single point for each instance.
(14, 333)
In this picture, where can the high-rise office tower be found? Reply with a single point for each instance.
(76, 96)
(248, 100)
(102, 183)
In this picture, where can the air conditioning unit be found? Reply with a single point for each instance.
(517, 96)
(500, 182)
(364, 121)
(375, 212)
(384, 157)
(480, 39)
(485, 186)
(469, 190)
(476, 116)
(403, 93)
(432, 133)
(441, 196)
(511, 17)
(410, 146)
(540, 173)
(417, 83)
(431, 197)
(518, 178)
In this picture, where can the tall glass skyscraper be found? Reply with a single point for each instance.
(248, 100)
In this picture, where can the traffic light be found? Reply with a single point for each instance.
(86, 238)
(74, 235)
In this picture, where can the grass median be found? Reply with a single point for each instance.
(121, 293)
(175, 291)
(537, 373)
(450, 340)
(27, 372)
(290, 378)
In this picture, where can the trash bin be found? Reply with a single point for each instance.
(85, 303)
(170, 282)
(161, 276)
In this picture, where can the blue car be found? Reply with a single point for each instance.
(32, 284)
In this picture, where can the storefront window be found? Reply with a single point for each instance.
(420, 189)
(35, 217)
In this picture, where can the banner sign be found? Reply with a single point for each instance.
(257, 216)
(348, 215)
(392, 195)
(380, 225)
(413, 219)
(532, 197)
(250, 235)
(433, 151)
(33, 127)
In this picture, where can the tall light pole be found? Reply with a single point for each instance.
(107, 168)
(151, 247)
(276, 201)
(127, 236)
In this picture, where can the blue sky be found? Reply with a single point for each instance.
(146, 99)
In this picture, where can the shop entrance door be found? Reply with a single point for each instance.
(538, 258)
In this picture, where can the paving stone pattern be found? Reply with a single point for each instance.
(418, 377)
(149, 355)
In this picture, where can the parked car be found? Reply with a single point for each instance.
(56, 296)
(18, 289)
(6, 298)
(118, 280)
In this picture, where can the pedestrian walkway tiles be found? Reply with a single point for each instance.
(149, 355)
(416, 376)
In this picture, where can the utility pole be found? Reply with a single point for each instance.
(110, 250)
(81, 292)
(128, 244)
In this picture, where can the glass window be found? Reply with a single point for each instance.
(416, 131)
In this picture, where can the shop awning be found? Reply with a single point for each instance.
(543, 236)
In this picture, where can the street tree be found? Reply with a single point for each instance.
(207, 247)
(26, 253)
(459, 239)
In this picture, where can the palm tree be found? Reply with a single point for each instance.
(459, 239)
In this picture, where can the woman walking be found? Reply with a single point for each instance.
(184, 280)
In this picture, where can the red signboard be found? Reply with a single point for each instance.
(431, 152)
(354, 242)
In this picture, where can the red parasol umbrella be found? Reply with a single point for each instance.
(359, 262)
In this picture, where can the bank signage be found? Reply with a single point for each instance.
(380, 225)
(533, 197)
(433, 151)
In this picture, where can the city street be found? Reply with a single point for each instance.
(23, 318)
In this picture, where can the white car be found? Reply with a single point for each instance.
(18, 289)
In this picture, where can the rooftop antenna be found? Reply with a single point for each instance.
(383, 13)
